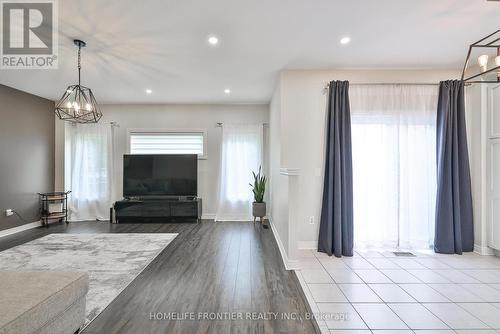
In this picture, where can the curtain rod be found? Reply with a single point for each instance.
(325, 89)
(220, 124)
(113, 124)
(388, 83)
(395, 83)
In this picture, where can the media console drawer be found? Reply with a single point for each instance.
(160, 211)
(156, 209)
(184, 209)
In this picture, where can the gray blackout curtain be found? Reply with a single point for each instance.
(454, 229)
(336, 224)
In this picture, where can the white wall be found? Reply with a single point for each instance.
(493, 167)
(476, 114)
(174, 117)
(481, 113)
(303, 119)
(278, 183)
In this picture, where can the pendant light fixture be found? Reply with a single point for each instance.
(78, 104)
(489, 72)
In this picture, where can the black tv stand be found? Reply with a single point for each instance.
(157, 210)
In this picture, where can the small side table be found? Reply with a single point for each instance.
(54, 205)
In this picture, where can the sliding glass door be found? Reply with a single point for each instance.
(394, 164)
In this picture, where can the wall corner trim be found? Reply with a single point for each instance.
(289, 264)
(21, 228)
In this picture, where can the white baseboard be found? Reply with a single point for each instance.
(308, 244)
(289, 264)
(21, 228)
(483, 250)
(208, 216)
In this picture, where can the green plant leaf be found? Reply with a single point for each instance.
(259, 185)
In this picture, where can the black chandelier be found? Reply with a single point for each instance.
(78, 104)
(488, 61)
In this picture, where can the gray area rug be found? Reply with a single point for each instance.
(112, 260)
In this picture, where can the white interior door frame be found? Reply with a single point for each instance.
(493, 166)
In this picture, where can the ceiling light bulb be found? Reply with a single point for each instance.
(345, 40)
(68, 105)
(149, 91)
(88, 107)
(227, 91)
(68, 90)
(212, 40)
(483, 62)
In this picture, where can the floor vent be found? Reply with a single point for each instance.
(408, 254)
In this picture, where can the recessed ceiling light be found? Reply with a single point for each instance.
(345, 40)
(213, 40)
(227, 91)
(149, 91)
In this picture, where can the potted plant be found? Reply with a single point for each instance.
(259, 189)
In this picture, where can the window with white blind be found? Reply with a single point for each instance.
(168, 142)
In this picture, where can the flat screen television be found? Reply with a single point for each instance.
(151, 175)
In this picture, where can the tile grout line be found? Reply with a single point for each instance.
(378, 270)
(455, 329)
(306, 286)
(422, 304)
(398, 284)
(312, 297)
(384, 302)
(427, 284)
(350, 303)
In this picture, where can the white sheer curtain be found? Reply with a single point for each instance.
(394, 164)
(91, 147)
(241, 154)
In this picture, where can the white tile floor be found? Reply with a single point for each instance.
(377, 292)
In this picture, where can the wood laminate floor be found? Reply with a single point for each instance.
(225, 270)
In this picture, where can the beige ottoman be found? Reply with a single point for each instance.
(42, 302)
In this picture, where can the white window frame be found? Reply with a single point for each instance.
(203, 132)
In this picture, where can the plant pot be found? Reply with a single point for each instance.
(259, 209)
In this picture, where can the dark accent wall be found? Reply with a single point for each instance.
(26, 153)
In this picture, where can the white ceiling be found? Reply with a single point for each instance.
(161, 44)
